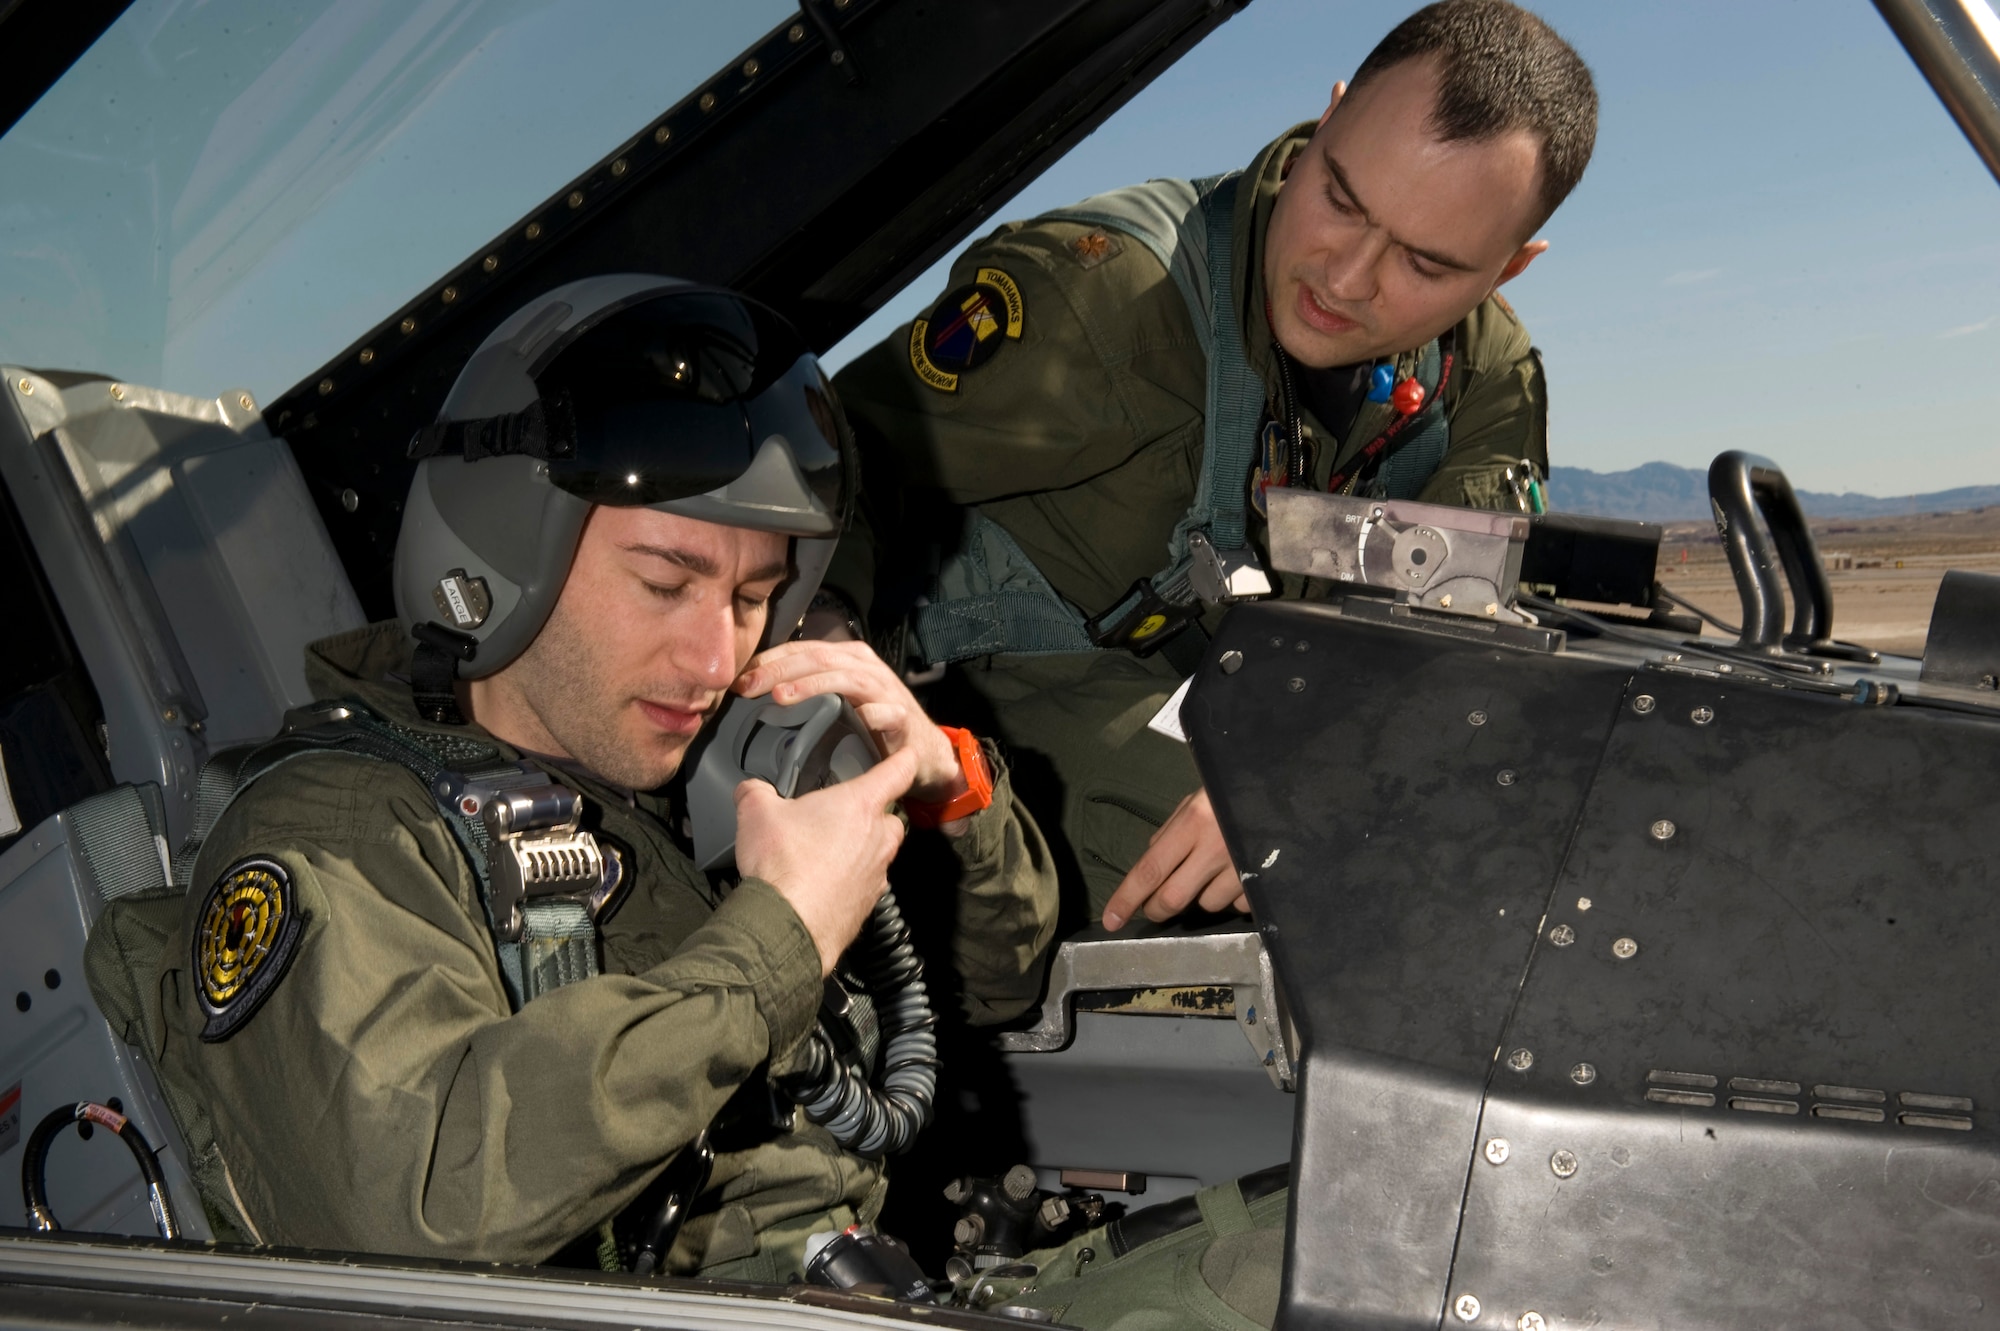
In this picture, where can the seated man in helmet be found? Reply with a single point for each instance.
(447, 981)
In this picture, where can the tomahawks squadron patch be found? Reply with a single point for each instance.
(965, 329)
(248, 930)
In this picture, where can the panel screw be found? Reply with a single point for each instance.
(796, 33)
(1301, 646)
(708, 101)
(1496, 1150)
(751, 69)
(1701, 716)
(367, 357)
(325, 387)
(245, 402)
(1295, 684)
(663, 133)
(490, 262)
(1725, 669)
(534, 231)
(407, 327)
(1562, 935)
(350, 500)
(1521, 1060)
(1492, 609)
(1475, 718)
(27, 388)
(1467, 1308)
(1625, 949)
(117, 392)
(1643, 703)
(1583, 903)
(1563, 1163)
(1505, 776)
(1277, 642)
(1663, 830)
(1231, 662)
(618, 168)
(448, 295)
(575, 199)
(1583, 1074)
(1531, 1321)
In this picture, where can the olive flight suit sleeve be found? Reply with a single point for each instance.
(1007, 905)
(1499, 412)
(382, 1098)
(1078, 392)
(1081, 436)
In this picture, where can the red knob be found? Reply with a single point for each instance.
(1408, 397)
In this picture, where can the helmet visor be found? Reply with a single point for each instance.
(676, 396)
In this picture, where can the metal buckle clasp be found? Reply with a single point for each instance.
(538, 850)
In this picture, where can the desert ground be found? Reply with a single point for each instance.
(1884, 601)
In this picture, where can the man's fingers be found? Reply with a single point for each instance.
(752, 792)
(792, 661)
(888, 718)
(855, 685)
(885, 782)
(1222, 891)
(1145, 876)
(1183, 885)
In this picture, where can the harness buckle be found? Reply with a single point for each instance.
(538, 849)
(1143, 621)
(1223, 577)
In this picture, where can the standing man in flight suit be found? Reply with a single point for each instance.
(1066, 455)
(376, 1036)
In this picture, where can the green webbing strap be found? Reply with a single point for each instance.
(1235, 396)
(120, 834)
(558, 943)
(1224, 1210)
(1234, 406)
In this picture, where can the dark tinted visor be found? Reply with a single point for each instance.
(673, 397)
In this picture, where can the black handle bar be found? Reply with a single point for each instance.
(1741, 486)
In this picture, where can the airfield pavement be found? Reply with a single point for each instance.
(1885, 605)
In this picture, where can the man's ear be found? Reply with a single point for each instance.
(1517, 265)
(1339, 91)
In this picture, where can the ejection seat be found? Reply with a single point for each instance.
(173, 550)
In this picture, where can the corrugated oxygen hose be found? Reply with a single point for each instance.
(881, 1115)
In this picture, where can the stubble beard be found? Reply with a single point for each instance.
(569, 686)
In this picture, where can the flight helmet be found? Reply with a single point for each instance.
(628, 390)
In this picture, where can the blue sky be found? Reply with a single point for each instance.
(1783, 243)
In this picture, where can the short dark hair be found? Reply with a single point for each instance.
(1500, 69)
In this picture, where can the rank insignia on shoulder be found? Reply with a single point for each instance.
(244, 940)
(965, 329)
(1094, 248)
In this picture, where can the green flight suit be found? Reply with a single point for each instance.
(1082, 437)
(385, 1099)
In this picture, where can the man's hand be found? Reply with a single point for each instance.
(794, 671)
(828, 852)
(1185, 862)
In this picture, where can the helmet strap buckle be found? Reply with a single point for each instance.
(434, 672)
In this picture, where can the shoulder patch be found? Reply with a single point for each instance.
(966, 328)
(1094, 248)
(1505, 308)
(243, 942)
